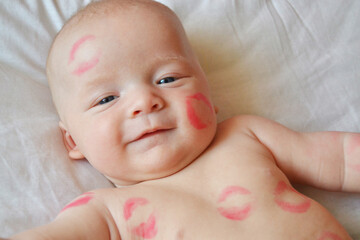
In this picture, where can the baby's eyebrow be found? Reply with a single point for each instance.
(77, 44)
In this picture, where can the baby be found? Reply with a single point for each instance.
(134, 101)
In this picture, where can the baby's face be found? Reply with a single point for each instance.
(135, 101)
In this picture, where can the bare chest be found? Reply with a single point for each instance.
(229, 195)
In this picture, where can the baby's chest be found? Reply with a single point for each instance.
(230, 208)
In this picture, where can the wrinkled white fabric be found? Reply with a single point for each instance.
(296, 62)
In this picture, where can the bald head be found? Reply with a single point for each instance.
(67, 49)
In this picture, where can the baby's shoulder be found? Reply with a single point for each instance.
(240, 126)
(248, 126)
(244, 122)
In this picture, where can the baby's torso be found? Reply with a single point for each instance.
(233, 191)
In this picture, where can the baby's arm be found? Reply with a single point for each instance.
(79, 220)
(329, 160)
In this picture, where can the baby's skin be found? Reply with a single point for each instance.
(234, 190)
(134, 101)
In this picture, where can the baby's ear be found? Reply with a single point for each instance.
(70, 145)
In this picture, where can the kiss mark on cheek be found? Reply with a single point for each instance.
(237, 213)
(329, 236)
(288, 199)
(84, 199)
(199, 111)
(90, 61)
(146, 230)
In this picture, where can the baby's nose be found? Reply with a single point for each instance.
(145, 103)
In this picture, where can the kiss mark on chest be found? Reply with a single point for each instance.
(237, 212)
(147, 229)
(289, 200)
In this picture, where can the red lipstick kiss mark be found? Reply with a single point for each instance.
(329, 236)
(85, 66)
(234, 213)
(77, 44)
(193, 117)
(131, 204)
(80, 201)
(283, 188)
(146, 229)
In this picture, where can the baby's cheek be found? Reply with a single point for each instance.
(199, 111)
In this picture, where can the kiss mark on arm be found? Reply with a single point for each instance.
(82, 200)
(236, 213)
(146, 230)
(283, 189)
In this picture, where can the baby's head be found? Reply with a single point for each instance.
(131, 95)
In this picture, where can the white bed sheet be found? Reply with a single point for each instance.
(296, 62)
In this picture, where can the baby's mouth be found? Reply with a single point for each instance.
(150, 133)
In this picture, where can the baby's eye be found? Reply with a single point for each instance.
(167, 80)
(107, 99)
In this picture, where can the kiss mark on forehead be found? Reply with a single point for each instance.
(86, 65)
(77, 44)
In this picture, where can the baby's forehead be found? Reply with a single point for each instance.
(83, 36)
